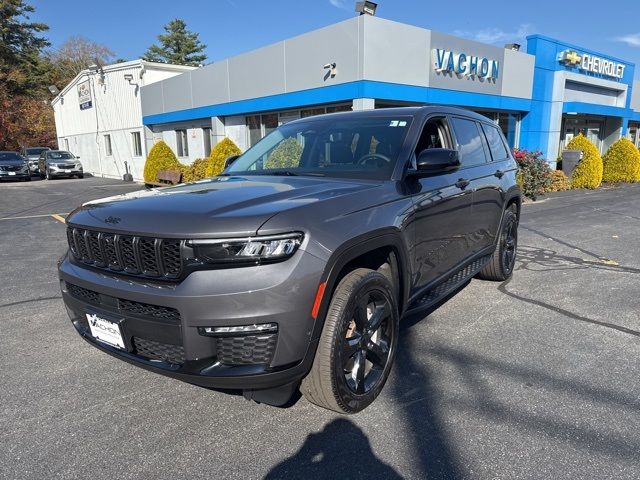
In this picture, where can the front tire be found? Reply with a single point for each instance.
(503, 259)
(357, 346)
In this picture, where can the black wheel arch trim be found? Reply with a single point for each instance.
(385, 238)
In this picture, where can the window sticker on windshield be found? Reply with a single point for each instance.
(394, 123)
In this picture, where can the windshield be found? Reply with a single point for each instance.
(341, 146)
(35, 151)
(60, 156)
(9, 156)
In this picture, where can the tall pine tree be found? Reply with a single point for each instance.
(179, 46)
(20, 47)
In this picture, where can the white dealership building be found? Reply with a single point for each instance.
(98, 116)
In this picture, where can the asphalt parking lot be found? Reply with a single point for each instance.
(533, 378)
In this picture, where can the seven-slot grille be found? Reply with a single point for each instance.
(143, 256)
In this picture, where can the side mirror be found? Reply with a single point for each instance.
(438, 160)
(230, 160)
(77, 156)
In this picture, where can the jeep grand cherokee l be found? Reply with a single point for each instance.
(293, 268)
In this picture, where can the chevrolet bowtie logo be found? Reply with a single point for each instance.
(571, 57)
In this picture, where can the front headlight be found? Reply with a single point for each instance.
(248, 251)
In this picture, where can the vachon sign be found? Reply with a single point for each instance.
(463, 64)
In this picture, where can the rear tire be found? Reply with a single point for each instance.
(357, 346)
(503, 259)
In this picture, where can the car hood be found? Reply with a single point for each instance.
(218, 207)
(12, 163)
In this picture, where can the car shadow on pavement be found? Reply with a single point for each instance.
(340, 450)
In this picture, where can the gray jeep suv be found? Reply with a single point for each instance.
(293, 268)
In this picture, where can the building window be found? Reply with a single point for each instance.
(339, 108)
(66, 144)
(269, 123)
(509, 123)
(206, 141)
(182, 143)
(310, 112)
(254, 129)
(107, 145)
(137, 144)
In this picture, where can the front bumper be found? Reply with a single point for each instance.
(13, 175)
(161, 323)
(63, 172)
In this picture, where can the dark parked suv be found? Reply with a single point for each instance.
(293, 268)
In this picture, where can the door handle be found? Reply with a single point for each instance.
(499, 173)
(462, 183)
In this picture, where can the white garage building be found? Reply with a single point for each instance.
(99, 116)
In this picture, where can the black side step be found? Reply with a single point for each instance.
(446, 287)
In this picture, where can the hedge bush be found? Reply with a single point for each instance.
(285, 155)
(621, 162)
(534, 173)
(161, 157)
(196, 171)
(588, 173)
(222, 150)
(559, 182)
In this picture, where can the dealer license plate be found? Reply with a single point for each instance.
(12, 173)
(105, 330)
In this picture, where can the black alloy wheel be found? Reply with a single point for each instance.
(358, 343)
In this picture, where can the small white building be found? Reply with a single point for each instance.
(99, 116)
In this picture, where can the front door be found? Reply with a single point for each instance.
(442, 208)
(591, 128)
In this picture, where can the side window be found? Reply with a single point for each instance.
(496, 145)
(434, 135)
(469, 142)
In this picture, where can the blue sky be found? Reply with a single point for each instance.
(229, 27)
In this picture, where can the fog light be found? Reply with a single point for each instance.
(239, 330)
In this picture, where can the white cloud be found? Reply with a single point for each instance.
(633, 39)
(497, 35)
(344, 4)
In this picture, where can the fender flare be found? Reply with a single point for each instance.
(354, 248)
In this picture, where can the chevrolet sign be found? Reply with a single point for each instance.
(593, 64)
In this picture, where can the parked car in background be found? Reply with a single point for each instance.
(59, 163)
(293, 268)
(14, 166)
(32, 154)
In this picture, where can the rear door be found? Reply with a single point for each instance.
(490, 187)
(476, 172)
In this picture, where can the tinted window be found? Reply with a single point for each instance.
(7, 156)
(60, 156)
(35, 151)
(469, 142)
(345, 146)
(496, 145)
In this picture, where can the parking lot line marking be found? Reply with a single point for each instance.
(54, 215)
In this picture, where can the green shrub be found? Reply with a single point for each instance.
(224, 149)
(559, 182)
(285, 155)
(534, 173)
(196, 171)
(588, 173)
(621, 162)
(160, 158)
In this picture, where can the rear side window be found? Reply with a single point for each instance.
(469, 142)
(496, 145)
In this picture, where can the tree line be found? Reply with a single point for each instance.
(30, 65)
